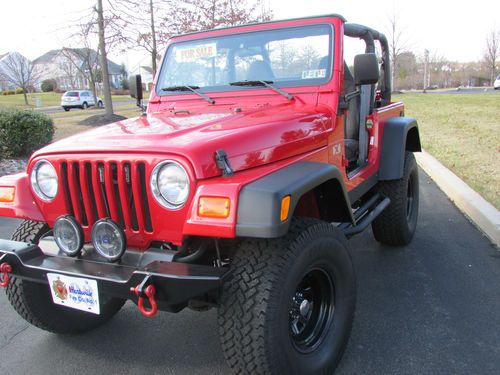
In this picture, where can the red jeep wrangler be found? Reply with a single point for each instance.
(261, 151)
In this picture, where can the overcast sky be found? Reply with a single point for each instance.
(455, 30)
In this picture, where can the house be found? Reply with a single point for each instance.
(69, 68)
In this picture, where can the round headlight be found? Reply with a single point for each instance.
(44, 180)
(170, 184)
(68, 235)
(108, 239)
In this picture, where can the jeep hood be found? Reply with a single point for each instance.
(250, 136)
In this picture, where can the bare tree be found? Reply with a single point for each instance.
(19, 72)
(103, 55)
(492, 52)
(107, 27)
(69, 70)
(142, 29)
(397, 44)
(86, 62)
(196, 15)
(84, 59)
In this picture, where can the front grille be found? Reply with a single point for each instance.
(115, 189)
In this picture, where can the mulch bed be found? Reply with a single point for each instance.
(12, 166)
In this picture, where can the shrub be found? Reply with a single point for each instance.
(19, 91)
(48, 85)
(23, 131)
(8, 92)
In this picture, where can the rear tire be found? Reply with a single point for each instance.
(396, 225)
(85, 105)
(33, 301)
(289, 305)
(100, 104)
(66, 109)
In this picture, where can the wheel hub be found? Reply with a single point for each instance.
(305, 307)
(311, 310)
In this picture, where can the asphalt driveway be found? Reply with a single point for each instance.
(430, 308)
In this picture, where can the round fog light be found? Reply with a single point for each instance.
(68, 235)
(108, 239)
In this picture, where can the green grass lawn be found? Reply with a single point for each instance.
(462, 131)
(45, 99)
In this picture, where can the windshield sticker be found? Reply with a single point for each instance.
(191, 54)
(314, 73)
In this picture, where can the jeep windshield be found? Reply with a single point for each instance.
(297, 56)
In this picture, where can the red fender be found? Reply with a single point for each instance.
(24, 206)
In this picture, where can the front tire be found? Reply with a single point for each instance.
(33, 301)
(289, 305)
(396, 225)
(100, 104)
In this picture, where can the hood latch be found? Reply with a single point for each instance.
(223, 163)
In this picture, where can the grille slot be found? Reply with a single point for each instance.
(115, 189)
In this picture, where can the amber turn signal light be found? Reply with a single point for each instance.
(285, 208)
(7, 194)
(214, 207)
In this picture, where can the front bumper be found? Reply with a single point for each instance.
(176, 283)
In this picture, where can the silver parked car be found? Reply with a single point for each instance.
(79, 99)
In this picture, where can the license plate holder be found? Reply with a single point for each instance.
(74, 292)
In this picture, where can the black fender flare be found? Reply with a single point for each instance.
(400, 135)
(259, 203)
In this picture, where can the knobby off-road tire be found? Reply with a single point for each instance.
(33, 301)
(261, 302)
(396, 225)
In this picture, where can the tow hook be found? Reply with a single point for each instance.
(5, 269)
(146, 292)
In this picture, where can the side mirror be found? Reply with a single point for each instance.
(366, 70)
(135, 85)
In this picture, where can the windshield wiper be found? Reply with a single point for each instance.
(190, 88)
(267, 84)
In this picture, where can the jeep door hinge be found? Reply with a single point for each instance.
(223, 163)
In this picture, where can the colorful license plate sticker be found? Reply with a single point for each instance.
(74, 292)
(191, 54)
(314, 73)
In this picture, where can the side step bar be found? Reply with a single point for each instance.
(366, 214)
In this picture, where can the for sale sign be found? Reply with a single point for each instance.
(190, 54)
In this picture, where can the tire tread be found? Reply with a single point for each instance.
(243, 315)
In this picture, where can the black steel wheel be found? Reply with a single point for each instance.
(289, 304)
(311, 311)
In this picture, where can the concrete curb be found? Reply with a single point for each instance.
(480, 212)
